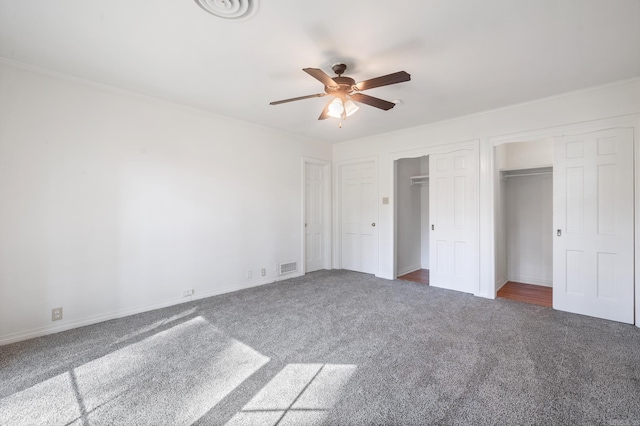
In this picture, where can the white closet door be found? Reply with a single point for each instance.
(313, 217)
(359, 216)
(593, 224)
(453, 211)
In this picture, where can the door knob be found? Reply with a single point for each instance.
(373, 224)
(559, 233)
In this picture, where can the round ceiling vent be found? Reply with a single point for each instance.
(230, 9)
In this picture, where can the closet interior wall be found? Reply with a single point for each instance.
(412, 216)
(524, 213)
(529, 222)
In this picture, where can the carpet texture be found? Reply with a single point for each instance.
(333, 347)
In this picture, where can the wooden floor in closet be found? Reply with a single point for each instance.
(527, 293)
(419, 276)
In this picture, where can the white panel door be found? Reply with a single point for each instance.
(593, 266)
(314, 217)
(453, 211)
(358, 217)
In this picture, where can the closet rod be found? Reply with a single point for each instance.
(418, 180)
(529, 174)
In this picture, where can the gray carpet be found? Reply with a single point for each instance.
(333, 347)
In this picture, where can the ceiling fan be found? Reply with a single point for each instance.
(344, 91)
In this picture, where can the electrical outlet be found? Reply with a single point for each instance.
(187, 293)
(249, 274)
(56, 314)
(264, 272)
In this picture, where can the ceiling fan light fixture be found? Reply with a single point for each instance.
(350, 108)
(335, 108)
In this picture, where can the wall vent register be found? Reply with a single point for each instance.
(287, 268)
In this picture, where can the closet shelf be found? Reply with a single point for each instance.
(419, 180)
(527, 172)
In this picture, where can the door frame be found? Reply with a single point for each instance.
(421, 152)
(492, 174)
(337, 218)
(326, 212)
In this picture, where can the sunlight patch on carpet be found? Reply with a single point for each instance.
(178, 374)
(300, 394)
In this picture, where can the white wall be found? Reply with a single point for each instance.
(525, 155)
(408, 223)
(113, 203)
(602, 102)
(529, 226)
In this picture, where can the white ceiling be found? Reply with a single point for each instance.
(464, 56)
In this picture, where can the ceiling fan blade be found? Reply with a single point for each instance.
(321, 76)
(284, 101)
(325, 112)
(374, 102)
(385, 80)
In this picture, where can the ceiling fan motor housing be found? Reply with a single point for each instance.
(345, 85)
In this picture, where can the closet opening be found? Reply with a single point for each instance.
(524, 228)
(412, 219)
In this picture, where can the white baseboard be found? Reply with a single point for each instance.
(485, 295)
(531, 280)
(94, 319)
(499, 286)
(408, 270)
(288, 276)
